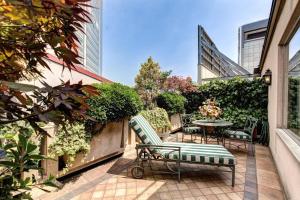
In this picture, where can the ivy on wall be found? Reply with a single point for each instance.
(69, 141)
(239, 98)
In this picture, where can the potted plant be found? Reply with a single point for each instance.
(210, 110)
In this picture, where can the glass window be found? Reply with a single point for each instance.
(294, 84)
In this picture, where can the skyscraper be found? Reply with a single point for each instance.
(211, 62)
(251, 40)
(90, 47)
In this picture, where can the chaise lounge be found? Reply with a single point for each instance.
(152, 148)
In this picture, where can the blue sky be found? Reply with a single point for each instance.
(133, 30)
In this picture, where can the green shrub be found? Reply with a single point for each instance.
(193, 101)
(238, 98)
(173, 103)
(158, 118)
(114, 103)
(69, 141)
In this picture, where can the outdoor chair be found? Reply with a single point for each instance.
(153, 149)
(245, 135)
(188, 128)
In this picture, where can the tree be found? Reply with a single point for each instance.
(148, 82)
(180, 84)
(27, 30)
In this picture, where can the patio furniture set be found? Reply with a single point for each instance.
(154, 149)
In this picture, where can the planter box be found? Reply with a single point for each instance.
(110, 142)
(175, 122)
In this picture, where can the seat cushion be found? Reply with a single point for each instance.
(200, 153)
(192, 129)
(144, 130)
(241, 135)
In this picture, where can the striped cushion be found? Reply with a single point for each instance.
(194, 153)
(201, 153)
(192, 129)
(238, 135)
(144, 130)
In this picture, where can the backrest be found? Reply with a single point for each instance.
(254, 122)
(186, 119)
(144, 130)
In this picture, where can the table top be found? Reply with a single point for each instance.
(217, 123)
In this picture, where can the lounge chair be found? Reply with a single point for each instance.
(152, 148)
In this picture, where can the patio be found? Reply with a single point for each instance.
(256, 178)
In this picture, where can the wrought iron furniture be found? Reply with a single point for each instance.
(153, 149)
(188, 127)
(212, 129)
(245, 135)
(264, 136)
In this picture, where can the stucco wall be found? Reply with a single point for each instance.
(206, 73)
(57, 74)
(287, 164)
(111, 141)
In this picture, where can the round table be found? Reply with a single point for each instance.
(217, 124)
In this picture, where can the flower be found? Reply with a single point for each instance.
(210, 109)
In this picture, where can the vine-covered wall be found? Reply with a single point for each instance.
(238, 98)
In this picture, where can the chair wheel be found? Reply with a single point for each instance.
(137, 172)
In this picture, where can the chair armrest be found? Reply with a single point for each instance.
(139, 146)
(157, 147)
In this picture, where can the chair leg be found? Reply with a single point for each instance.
(233, 176)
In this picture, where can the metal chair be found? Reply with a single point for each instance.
(245, 135)
(188, 127)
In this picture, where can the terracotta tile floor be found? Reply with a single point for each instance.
(113, 180)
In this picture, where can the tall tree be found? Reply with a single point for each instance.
(148, 82)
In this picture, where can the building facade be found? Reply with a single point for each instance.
(90, 46)
(211, 62)
(281, 55)
(251, 39)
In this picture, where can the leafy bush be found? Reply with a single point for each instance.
(158, 118)
(69, 141)
(193, 101)
(114, 103)
(237, 97)
(21, 154)
(173, 103)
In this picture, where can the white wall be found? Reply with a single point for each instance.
(57, 74)
(283, 148)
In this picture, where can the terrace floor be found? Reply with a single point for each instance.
(256, 178)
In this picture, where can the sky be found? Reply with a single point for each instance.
(166, 30)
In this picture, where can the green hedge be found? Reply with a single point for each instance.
(114, 102)
(158, 118)
(172, 102)
(193, 101)
(238, 98)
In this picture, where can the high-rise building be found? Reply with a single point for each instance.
(211, 62)
(90, 47)
(251, 40)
